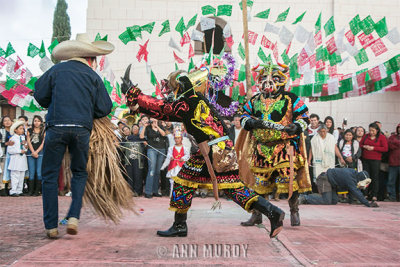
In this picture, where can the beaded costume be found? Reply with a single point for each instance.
(263, 151)
(203, 125)
(215, 164)
(269, 156)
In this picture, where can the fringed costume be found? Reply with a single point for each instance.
(202, 121)
(269, 158)
(203, 125)
(266, 150)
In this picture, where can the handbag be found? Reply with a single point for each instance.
(223, 160)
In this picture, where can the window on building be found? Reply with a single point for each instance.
(8, 110)
(219, 41)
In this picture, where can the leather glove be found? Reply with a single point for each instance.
(250, 124)
(126, 85)
(132, 96)
(292, 129)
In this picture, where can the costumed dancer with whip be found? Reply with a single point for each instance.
(214, 166)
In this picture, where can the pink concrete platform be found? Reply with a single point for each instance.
(341, 235)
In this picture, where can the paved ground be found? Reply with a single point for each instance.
(330, 235)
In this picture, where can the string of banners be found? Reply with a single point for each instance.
(314, 69)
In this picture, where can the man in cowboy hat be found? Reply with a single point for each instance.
(74, 95)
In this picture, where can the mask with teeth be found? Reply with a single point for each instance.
(271, 79)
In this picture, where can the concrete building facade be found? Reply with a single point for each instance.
(113, 16)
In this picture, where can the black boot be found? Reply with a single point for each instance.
(7, 189)
(273, 213)
(38, 188)
(179, 228)
(5, 192)
(294, 209)
(256, 218)
(31, 187)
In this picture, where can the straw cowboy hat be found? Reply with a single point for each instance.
(81, 47)
(15, 126)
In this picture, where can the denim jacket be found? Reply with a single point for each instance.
(73, 94)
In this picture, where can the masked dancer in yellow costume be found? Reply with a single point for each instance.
(274, 159)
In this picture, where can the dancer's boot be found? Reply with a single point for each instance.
(273, 213)
(256, 218)
(179, 228)
(294, 209)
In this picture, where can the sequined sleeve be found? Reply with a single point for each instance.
(300, 113)
(247, 108)
(161, 109)
(246, 111)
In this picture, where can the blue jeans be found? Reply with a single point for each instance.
(394, 172)
(326, 198)
(6, 171)
(155, 162)
(56, 141)
(35, 166)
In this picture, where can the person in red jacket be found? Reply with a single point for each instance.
(373, 145)
(394, 163)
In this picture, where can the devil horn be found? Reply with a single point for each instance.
(126, 81)
(128, 72)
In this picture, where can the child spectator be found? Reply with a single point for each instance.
(176, 157)
(18, 163)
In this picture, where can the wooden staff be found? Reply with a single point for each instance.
(246, 49)
(205, 149)
(291, 174)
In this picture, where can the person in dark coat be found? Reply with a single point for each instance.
(74, 95)
(339, 180)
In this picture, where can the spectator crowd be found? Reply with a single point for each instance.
(374, 151)
(153, 151)
(21, 155)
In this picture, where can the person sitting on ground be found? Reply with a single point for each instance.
(339, 180)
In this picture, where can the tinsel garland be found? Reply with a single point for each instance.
(228, 78)
(226, 81)
(229, 111)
